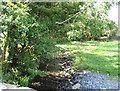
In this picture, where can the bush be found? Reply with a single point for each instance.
(27, 42)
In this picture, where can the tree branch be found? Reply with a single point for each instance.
(60, 23)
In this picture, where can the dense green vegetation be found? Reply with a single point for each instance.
(29, 32)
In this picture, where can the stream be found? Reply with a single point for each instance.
(68, 78)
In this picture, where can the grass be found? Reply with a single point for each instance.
(95, 56)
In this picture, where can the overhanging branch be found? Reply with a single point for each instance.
(60, 23)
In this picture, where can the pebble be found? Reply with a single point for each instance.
(76, 86)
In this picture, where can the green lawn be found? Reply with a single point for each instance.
(95, 56)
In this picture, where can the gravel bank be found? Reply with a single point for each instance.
(97, 81)
(90, 80)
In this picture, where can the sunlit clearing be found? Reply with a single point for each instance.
(75, 51)
(110, 54)
(66, 46)
(115, 65)
(77, 60)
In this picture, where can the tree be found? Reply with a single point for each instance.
(92, 23)
(29, 32)
(24, 43)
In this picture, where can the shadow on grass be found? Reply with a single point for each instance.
(96, 56)
(95, 62)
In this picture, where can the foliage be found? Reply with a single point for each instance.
(55, 12)
(92, 23)
(29, 32)
(25, 43)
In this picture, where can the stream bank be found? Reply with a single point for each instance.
(67, 78)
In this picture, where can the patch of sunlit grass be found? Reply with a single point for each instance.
(95, 55)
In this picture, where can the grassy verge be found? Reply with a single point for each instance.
(95, 56)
